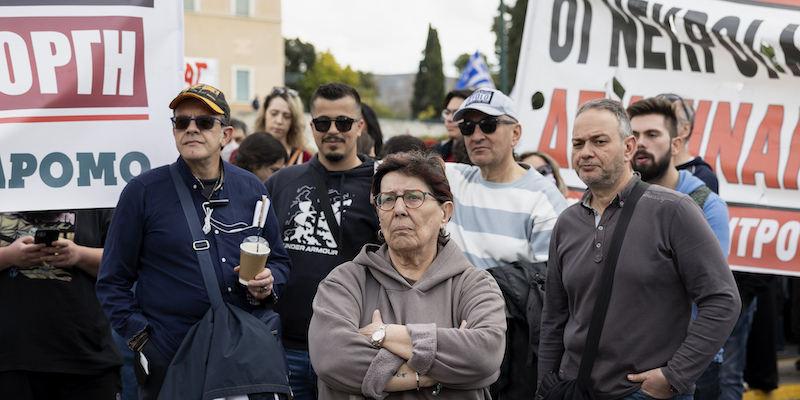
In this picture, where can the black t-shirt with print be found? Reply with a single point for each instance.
(51, 319)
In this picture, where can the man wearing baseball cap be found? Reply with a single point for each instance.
(504, 213)
(149, 242)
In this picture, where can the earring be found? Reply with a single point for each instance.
(380, 235)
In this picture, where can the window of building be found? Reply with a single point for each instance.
(243, 83)
(242, 8)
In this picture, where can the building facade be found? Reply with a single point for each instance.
(237, 46)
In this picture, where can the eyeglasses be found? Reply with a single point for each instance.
(411, 199)
(488, 125)
(672, 97)
(446, 113)
(343, 124)
(203, 123)
(544, 169)
(280, 90)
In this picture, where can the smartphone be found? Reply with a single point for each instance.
(45, 236)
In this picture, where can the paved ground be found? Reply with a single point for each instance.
(788, 379)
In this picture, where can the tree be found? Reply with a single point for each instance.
(299, 57)
(514, 29)
(515, 33)
(325, 70)
(429, 84)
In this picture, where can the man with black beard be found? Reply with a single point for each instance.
(655, 127)
(323, 208)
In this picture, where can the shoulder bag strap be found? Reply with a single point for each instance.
(606, 281)
(200, 244)
(295, 155)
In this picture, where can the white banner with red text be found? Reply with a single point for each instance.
(737, 62)
(84, 95)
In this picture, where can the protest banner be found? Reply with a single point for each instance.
(736, 61)
(84, 95)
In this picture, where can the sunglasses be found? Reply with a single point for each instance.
(280, 90)
(411, 199)
(545, 169)
(672, 97)
(488, 125)
(446, 113)
(343, 124)
(203, 123)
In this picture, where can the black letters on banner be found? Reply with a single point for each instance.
(560, 53)
(790, 49)
(730, 25)
(698, 19)
(625, 27)
(652, 60)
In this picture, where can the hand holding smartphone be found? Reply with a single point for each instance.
(46, 236)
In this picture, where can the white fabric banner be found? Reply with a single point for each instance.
(736, 61)
(84, 95)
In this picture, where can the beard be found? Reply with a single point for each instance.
(334, 157)
(652, 171)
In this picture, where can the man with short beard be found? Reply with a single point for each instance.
(655, 127)
(319, 234)
(668, 260)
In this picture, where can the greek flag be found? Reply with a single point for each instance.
(476, 74)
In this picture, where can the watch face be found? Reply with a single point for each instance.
(378, 335)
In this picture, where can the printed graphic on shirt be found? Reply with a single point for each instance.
(307, 228)
(14, 226)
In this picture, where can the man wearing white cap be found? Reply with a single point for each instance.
(504, 213)
(504, 210)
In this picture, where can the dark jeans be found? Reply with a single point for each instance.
(150, 381)
(707, 386)
(639, 395)
(302, 377)
(129, 387)
(24, 385)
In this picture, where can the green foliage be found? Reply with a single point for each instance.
(428, 113)
(299, 57)
(461, 62)
(325, 70)
(429, 84)
(368, 88)
(515, 33)
(514, 27)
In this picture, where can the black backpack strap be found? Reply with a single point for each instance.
(700, 195)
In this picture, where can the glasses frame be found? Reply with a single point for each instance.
(343, 124)
(446, 113)
(280, 90)
(467, 128)
(196, 120)
(379, 204)
(672, 97)
(545, 169)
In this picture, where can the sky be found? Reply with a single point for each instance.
(389, 36)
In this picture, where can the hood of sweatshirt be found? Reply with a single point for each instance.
(449, 262)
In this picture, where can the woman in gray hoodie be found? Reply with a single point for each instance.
(411, 318)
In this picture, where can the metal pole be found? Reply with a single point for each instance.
(501, 32)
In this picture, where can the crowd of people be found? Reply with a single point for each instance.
(460, 271)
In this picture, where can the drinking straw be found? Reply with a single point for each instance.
(261, 220)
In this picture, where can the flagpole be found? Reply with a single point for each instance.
(501, 32)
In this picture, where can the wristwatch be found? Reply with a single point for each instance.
(379, 335)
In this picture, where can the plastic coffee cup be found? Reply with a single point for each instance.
(254, 251)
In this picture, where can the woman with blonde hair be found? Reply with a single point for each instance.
(282, 117)
(547, 166)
